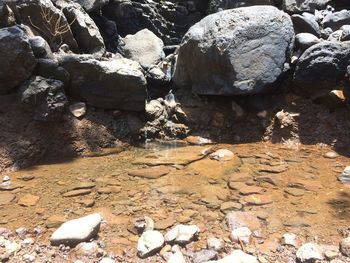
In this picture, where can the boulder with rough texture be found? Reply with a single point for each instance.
(49, 21)
(219, 5)
(321, 66)
(296, 6)
(40, 47)
(306, 23)
(235, 52)
(76, 231)
(49, 68)
(111, 84)
(45, 98)
(7, 17)
(92, 5)
(337, 19)
(309, 252)
(17, 58)
(305, 40)
(144, 47)
(168, 20)
(84, 30)
(150, 242)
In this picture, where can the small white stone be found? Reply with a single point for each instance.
(242, 234)
(78, 109)
(6, 178)
(177, 257)
(222, 155)
(309, 252)
(107, 260)
(149, 242)
(28, 258)
(214, 243)
(289, 239)
(182, 234)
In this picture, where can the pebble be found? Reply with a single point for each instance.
(241, 234)
(344, 246)
(222, 155)
(77, 193)
(89, 249)
(149, 243)
(55, 221)
(151, 173)
(28, 258)
(107, 260)
(28, 200)
(247, 190)
(78, 109)
(237, 256)
(230, 206)
(143, 224)
(331, 254)
(182, 234)
(309, 252)
(109, 189)
(294, 191)
(22, 232)
(204, 256)
(177, 257)
(331, 155)
(257, 199)
(289, 239)
(76, 231)
(214, 243)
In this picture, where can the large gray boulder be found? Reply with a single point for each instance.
(144, 47)
(235, 52)
(298, 6)
(17, 58)
(44, 98)
(117, 83)
(84, 30)
(219, 5)
(306, 23)
(337, 19)
(47, 21)
(92, 5)
(321, 66)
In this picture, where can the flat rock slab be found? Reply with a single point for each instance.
(273, 169)
(309, 185)
(151, 173)
(247, 190)
(109, 189)
(28, 200)
(81, 185)
(6, 198)
(257, 199)
(77, 193)
(240, 219)
(176, 156)
(294, 191)
(76, 231)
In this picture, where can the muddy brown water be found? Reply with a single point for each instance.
(306, 197)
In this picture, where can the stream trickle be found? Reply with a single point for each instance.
(288, 190)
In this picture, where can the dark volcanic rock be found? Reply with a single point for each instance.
(322, 66)
(112, 84)
(45, 98)
(306, 23)
(17, 59)
(219, 5)
(337, 19)
(235, 52)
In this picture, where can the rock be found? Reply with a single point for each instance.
(22, 232)
(294, 191)
(109, 189)
(107, 260)
(80, 185)
(241, 234)
(164, 224)
(214, 243)
(151, 173)
(17, 58)
(222, 155)
(335, 36)
(239, 219)
(331, 254)
(230, 206)
(45, 98)
(169, 20)
(257, 199)
(309, 185)
(177, 257)
(144, 47)
(150, 242)
(7, 17)
(50, 69)
(89, 249)
(6, 198)
(306, 40)
(156, 109)
(331, 155)
(78, 109)
(289, 239)
(204, 256)
(296, 6)
(77, 193)
(247, 190)
(76, 231)
(346, 33)
(344, 246)
(217, 43)
(28, 200)
(197, 140)
(43, 16)
(182, 234)
(28, 258)
(219, 5)
(55, 221)
(345, 176)
(337, 19)
(309, 252)
(84, 30)
(143, 224)
(327, 60)
(40, 47)
(237, 256)
(113, 84)
(306, 23)
(92, 5)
